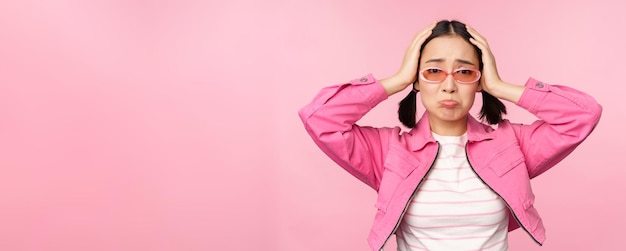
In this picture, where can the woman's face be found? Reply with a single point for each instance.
(448, 101)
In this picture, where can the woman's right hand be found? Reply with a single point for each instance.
(408, 71)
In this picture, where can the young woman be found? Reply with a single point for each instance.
(451, 182)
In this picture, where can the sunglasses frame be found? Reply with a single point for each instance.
(478, 75)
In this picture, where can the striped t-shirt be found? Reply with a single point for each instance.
(453, 209)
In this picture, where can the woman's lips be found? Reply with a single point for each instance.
(449, 103)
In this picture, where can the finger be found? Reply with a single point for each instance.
(421, 36)
(477, 35)
(477, 43)
(477, 40)
(413, 50)
(473, 31)
(487, 55)
(484, 48)
(428, 30)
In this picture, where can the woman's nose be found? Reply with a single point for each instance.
(449, 84)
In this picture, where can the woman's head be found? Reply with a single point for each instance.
(447, 50)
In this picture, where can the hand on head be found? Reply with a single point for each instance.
(490, 77)
(407, 73)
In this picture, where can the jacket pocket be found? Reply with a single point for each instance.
(506, 160)
(398, 166)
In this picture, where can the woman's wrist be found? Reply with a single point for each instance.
(394, 84)
(507, 91)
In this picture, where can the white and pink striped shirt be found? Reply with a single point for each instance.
(453, 209)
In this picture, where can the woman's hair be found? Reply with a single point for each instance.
(492, 108)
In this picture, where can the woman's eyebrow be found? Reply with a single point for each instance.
(436, 60)
(439, 60)
(463, 61)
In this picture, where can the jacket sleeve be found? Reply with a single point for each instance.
(330, 120)
(566, 117)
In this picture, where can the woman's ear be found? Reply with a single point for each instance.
(416, 85)
(479, 88)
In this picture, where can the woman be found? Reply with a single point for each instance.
(451, 182)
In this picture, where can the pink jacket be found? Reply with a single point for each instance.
(394, 163)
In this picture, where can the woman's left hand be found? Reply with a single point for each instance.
(490, 80)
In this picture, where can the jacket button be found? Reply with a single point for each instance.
(539, 85)
(363, 79)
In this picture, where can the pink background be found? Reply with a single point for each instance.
(172, 125)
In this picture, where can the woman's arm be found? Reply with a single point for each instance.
(567, 116)
(330, 118)
(330, 121)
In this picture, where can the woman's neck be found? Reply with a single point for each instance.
(448, 128)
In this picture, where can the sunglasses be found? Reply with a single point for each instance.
(438, 75)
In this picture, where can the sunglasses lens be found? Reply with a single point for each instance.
(434, 74)
(466, 75)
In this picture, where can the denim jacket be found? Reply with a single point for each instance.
(394, 163)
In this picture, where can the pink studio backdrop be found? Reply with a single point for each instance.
(172, 125)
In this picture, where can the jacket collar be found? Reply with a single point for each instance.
(421, 135)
